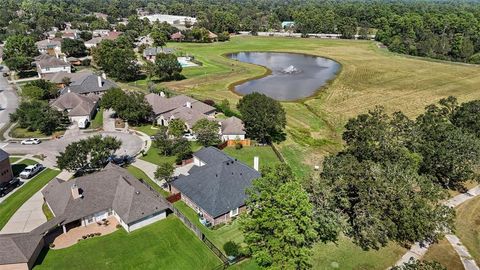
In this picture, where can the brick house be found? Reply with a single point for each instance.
(215, 186)
(6, 173)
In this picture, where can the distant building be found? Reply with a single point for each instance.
(112, 35)
(178, 36)
(151, 53)
(171, 19)
(50, 46)
(100, 15)
(287, 24)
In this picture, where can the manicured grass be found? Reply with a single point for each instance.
(97, 121)
(468, 226)
(444, 253)
(17, 199)
(154, 157)
(14, 159)
(139, 174)
(18, 132)
(166, 244)
(150, 130)
(18, 168)
(46, 211)
(369, 77)
(229, 232)
(247, 153)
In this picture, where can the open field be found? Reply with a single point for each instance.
(468, 226)
(369, 77)
(17, 199)
(444, 253)
(166, 244)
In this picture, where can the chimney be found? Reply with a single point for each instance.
(104, 76)
(188, 104)
(162, 94)
(76, 192)
(255, 163)
(99, 82)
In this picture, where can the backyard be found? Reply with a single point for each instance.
(10, 205)
(153, 156)
(247, 153)
(164, 244)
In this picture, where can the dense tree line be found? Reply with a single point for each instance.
(441, 29)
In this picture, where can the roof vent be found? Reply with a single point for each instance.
(137, 192)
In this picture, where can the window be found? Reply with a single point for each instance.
(234, 212)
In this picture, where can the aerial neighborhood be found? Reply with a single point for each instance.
(239, 135)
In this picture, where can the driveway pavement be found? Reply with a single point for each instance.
(28, 217)
(8, 100)
(108, 121)
(131, 145)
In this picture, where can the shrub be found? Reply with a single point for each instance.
(209, 102)
(118, 226)
(52, 245)
(231, 248)
(84, 237)
(238, 146)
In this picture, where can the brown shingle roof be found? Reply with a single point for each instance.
(75, 104)
(232, 126)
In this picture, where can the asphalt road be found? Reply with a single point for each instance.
(131, 145)
(8, 99)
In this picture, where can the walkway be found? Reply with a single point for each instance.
(28, 217)
(417, 251)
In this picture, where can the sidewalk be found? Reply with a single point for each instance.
(28, 217)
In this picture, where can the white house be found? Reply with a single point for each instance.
(232, 129)
(47, 64)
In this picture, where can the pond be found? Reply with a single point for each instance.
(293, 76)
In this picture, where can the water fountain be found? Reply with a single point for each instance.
(290, 70)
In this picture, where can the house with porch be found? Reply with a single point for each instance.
(181, 107)
(215, 186)
(111, 192)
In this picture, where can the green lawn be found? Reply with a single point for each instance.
(139, 174)
(154, 157)
(218, 236)
(46, 211)
(166, 244)
(18, 168)
(97, 121)
(468, 226)
(17, 199)
(150, 130)
(14, 159)
(24, 133)
(246, 154)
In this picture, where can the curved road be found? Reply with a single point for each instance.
(8, 99)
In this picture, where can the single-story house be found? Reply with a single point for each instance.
(92, 43)
(79, 108)
(232, 129)
(47, 64)
(181, 107)
(50, 46)
(20, 251)
(178, 36)
(6, 173)
(151, 53)
(111, 192)
(89, 84)
(215, 186)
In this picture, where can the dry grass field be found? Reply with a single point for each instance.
(369, 77)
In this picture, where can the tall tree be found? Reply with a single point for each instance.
(263, 116)
(73, 47)
(280, 227)
(207, 132)
(167, 66)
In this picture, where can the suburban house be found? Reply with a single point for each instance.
(181, 107)
(71, 33)
(79, 108)
(178, 36)
(100, 32)
(6, 173)
(60, 77)
(215, 186)
(92, 43)
(232, 129)
(49, 46)
(111, 192)
(47, 64)
(20, 251)
(89, 84)
(151, 53)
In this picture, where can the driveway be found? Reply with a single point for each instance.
(28, 217)
(131, 145)
(8, 100)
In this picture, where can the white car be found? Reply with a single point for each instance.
(190, 137)
(31, 141)
(30, 171)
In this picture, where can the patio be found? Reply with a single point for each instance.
(70, 238)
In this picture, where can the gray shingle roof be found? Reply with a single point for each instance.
(153, 51)
(75, 104)
(89, 84)
(219, 186)
(3, 155)
(47, 61)
(18, 248)
(113, 187)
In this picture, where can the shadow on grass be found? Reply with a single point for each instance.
(18, 168)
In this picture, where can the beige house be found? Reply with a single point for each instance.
(80, 108)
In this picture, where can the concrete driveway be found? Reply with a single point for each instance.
(28, 217)
(8, 99)
(131, 145)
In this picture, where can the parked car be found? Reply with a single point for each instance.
(190, 137)
(121, 160)
(6, 187)
(31, 141)
(30, 171)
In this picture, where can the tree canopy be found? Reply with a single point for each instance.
(38, 115)
(264, 117)
(73, 47)
(207, 132)
(166, 66)
(117, 59)
(131, 106)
